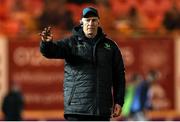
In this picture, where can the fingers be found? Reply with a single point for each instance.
(115, 115)
(46, 34)
(46, 31)
(117, 111)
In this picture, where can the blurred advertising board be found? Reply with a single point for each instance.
(41, 79)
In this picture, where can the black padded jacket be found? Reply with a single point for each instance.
(94, 72)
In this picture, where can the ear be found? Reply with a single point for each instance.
(99, 23)
(80, 22)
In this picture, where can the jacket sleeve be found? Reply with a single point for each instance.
(118, 77)
(55, 49)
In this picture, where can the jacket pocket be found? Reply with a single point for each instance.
(71, 95)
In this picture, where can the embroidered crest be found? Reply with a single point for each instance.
(107, 46)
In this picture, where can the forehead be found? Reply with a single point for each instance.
(91, 18)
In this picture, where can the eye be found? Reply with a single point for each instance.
(94, 20)
(88, 20)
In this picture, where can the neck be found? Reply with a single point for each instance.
(90, 35)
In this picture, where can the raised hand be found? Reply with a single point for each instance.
(46, 34)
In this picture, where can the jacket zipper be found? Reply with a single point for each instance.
(94, 51)
(97, 85)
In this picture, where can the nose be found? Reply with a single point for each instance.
(91, 22)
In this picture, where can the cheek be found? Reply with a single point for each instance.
(96, 24)
(85, 25)
(84, 28)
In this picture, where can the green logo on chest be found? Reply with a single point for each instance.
(107, 46)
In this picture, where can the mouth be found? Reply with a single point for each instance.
(91, 28)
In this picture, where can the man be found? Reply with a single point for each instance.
(93, 70)
(13, 104)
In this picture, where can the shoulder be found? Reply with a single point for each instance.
(112, 42)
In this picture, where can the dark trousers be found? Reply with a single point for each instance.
(86, 118)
